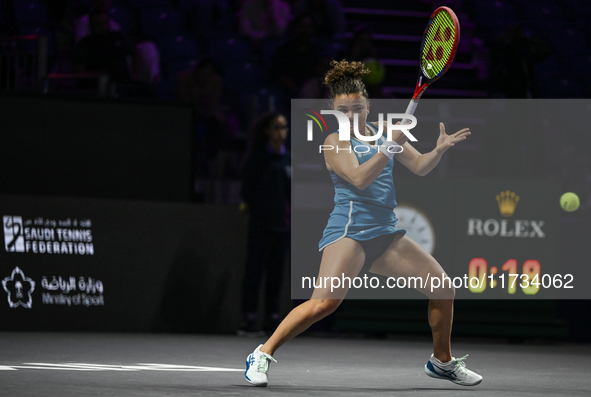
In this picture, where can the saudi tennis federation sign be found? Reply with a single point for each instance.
(48, 236)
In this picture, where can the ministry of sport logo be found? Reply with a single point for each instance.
(14, 240)
(19, 289)
(344, 126)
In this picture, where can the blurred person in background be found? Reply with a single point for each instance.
(144, 62)
(363, 49)
(327, 16)
(362, 45)
(202, 87)
(514, 55)
(314, 87)
(266, 192)
(146, 66)
(104, 50)
(259, 19)
(209, 16)
(82, 26)
(295, 62)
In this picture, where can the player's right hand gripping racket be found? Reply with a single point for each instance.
(438, 49)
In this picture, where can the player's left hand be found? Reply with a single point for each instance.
(445, 141)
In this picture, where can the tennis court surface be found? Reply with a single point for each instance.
(87, 364)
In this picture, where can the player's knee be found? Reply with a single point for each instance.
(448, 292)
(444, 291)
(323, 307)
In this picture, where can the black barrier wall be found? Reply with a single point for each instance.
(104, 265)
(95, 149)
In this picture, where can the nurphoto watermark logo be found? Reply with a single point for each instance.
(344, 126)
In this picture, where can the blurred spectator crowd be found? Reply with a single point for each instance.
(232, 60)
(229, 60)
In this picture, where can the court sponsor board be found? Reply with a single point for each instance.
(151, 266)
(48, 236)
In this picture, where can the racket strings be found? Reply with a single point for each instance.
(438, 45)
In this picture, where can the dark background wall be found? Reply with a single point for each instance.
(91, 148)
(161, 267)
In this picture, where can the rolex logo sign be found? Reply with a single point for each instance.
(507, 201)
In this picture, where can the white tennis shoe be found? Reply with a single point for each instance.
(455, 371)
(257, 366)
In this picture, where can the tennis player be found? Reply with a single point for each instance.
(361, 233)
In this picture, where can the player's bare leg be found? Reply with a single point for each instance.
(405, 258)
(440, 319)
(343, 257)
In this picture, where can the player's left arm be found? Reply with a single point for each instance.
(422, 164)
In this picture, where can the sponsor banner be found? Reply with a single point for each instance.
(83, 264)
(59, 291)
(48, 236)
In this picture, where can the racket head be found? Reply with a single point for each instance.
(439, 46)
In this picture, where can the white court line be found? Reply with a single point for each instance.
(73, 367)
(109, 367)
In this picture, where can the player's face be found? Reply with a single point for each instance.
(351, 105)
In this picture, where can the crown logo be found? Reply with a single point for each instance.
(507, 202)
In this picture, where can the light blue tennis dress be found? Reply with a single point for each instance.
(362, 214)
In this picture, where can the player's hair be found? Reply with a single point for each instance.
(346, 78)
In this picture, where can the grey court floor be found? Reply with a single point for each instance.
(84, 364)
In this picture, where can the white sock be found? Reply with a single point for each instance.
(440, 362)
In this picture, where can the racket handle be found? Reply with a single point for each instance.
(410, 110)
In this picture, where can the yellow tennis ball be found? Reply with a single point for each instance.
(377, 72)
(569, 202)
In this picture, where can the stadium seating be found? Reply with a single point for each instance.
(162, 21)
(180, 47)
(230, 48)
(28, 11)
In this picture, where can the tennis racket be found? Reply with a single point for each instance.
(438, 49)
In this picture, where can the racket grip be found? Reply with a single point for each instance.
(410, 110)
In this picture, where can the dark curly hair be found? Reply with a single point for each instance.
(345, 78)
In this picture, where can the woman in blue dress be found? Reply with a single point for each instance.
(361, 233)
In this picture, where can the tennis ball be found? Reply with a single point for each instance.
(377, 72)
(569, 202)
